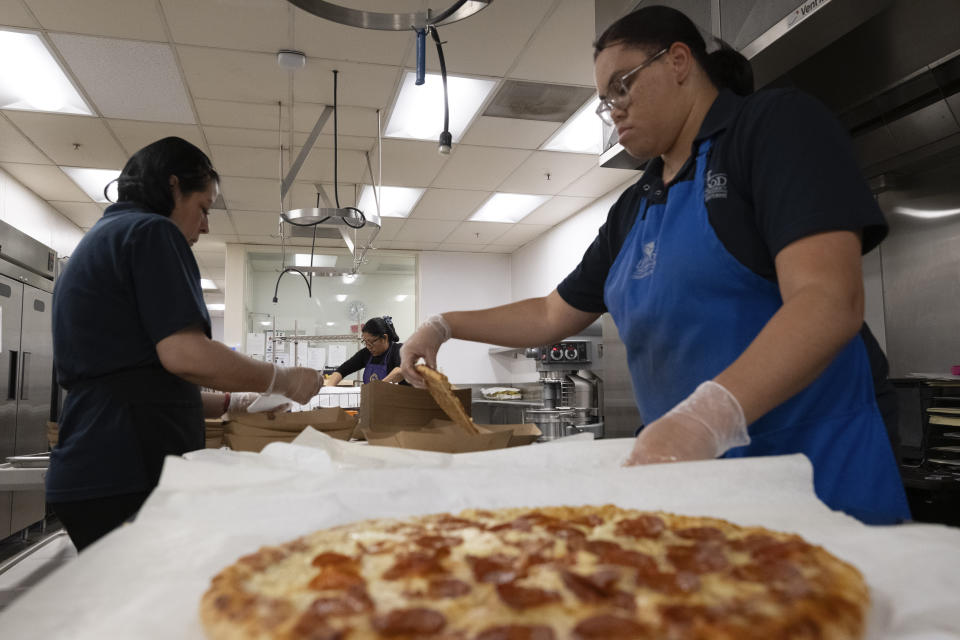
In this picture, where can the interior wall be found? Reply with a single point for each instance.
(458, 282)
(24, 210)
(873, 296)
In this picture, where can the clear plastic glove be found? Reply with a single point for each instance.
(241, 402)
(705, 425)
(424, 343)
(297, 383)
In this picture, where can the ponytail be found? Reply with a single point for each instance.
(657, 27)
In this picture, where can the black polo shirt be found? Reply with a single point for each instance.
(360, 359)
(780, 168)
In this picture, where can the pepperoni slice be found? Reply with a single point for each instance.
(438, 543)
(413, 564)
(336, 577)
(517, 632)
(453, 522)
(686, 615)
(447, 588)
(609, 627)
(601, 547)
(497, 568)
(575, 538)
(641, 527)
(783, 578)
(353, 601)
(698, 558)
(592, 520)
(668, 582)
(330, 558)
(595, 588)
(415, 621)
(519, 597)
(266, 557)
(627, 558)
(703, 534)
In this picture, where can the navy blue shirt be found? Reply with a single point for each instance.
(361, 358)
(131, 282)
(781, 168)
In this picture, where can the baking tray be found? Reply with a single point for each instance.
(33, 461)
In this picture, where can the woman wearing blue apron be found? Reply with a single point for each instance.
(731, 268)
(380, 357)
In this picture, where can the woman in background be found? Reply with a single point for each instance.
(380, 359)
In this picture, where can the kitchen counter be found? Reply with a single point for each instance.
(519, 403)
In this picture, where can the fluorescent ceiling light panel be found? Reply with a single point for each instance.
(400, 298)
(266, 323)
(216, 306)
(418, 112)
(341, 297)
(395, 202)
(31, 79)
(208, 285)
(508, 207)
(928, 214)
(303, 260)
(330, 324)
(92, 181)
(349, 278)
(582, 133)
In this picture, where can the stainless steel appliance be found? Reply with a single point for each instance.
(26, 364)
(571, 390)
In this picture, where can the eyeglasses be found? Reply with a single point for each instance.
(619, 90)
(370, 343)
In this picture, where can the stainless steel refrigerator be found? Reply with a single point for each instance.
(26, 364)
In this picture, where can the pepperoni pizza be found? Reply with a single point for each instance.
(539, 574)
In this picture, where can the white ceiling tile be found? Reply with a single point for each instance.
(567, 35)
(351, 121)
(243, 76)
(47, 181)
(135, 135)
(210, 259)
(263, 25)
(520, 234)
(303, 195)
(389, 228)
(221, 224)
(82, 214)
(208, 244)
(481, 168)
(255, 223)
(246, 162)
(325, 39)
(236, 137)
(556, 209)
(461, 248)
(426, 230)
(324, 141)
(478, 233)
(358, 84)
(411, 246)
(250, 194)
(13, 13)
(489, 42)
(448, 204)
(509, 132)
(409, 163)
(499, 248)
(246, 115)
(15, 147)
(135, 19)
(318, 167)
(599, 181)
(57, 135)
(128, 79)
(547, 172)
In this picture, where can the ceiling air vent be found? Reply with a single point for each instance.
(537, 101)
(329, 233)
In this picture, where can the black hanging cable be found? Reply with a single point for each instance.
(446, 139)
(336, 181)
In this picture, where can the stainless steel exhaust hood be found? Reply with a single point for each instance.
(888, 68)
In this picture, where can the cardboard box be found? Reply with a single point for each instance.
(400, 416)
(253, 431)
(388, 408)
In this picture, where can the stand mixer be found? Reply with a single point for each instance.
(571, 392)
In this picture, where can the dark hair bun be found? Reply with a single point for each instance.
(729, 69)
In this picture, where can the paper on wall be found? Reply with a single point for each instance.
(337, 354)
(316, 357)
(255, 343)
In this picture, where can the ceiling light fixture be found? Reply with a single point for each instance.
(207, 284)
(400, 298)
(582, 133)
(395, 202)
(927, 214)
(341, 297)
(508, 207)
(417, 110)
(349, 278)
(216, 306)
(94, 181)
(266, 323)
(31, 79)
(304, 260)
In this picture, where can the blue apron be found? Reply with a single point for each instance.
(377, 371)
(686, 309)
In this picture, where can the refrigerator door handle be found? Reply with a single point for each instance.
(25, 376)
(12, 379)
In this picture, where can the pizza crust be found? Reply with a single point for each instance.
(344, 583)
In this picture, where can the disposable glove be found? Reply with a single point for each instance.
(705, 425)
(424, 343)
(241, 402)
(297, 383)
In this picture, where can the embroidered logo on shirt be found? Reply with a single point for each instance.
(647, 262)
(716, 186)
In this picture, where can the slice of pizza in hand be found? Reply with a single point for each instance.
(439, 387)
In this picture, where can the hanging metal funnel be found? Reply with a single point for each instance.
(391, 21)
